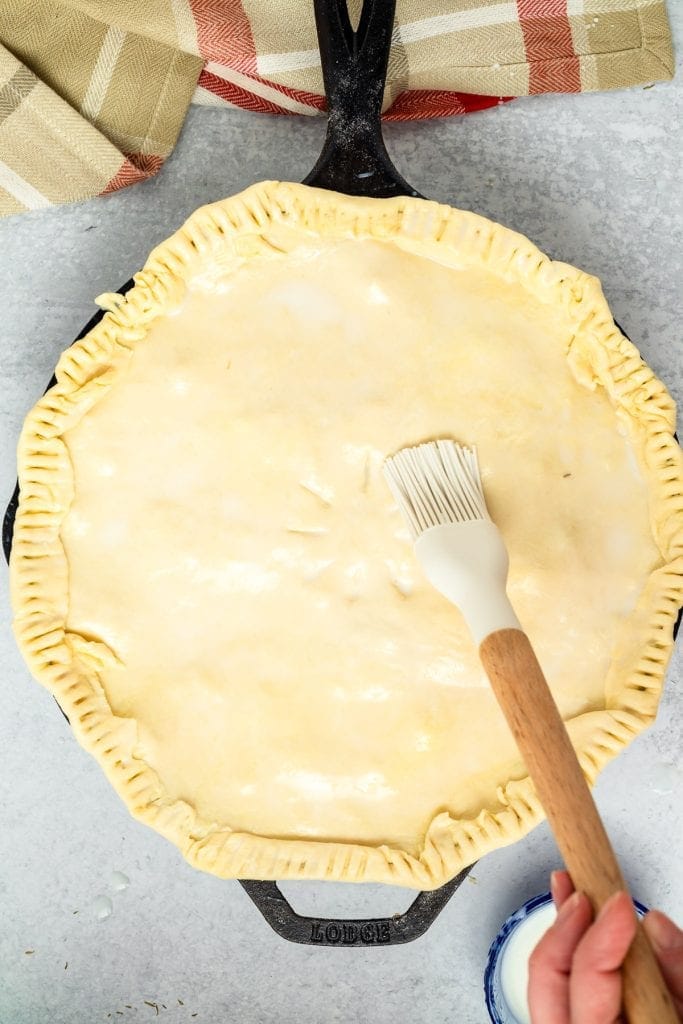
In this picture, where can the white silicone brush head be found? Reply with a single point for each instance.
(438, 490)
(436, 483)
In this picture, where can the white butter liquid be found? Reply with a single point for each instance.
(119, 881)
(102, 908)
(514, 967)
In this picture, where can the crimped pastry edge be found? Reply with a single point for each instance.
(599, 355)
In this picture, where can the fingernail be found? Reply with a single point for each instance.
(570, 905)
(608, 904)
(663, 932)
(554, 880)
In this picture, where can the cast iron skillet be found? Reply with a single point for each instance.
(354, 160)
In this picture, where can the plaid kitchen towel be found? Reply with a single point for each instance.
(93, 92)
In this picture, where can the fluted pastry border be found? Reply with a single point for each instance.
(234, 229)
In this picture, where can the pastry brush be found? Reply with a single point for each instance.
(439, 492)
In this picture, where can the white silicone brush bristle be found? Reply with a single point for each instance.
(438, 490)
(436, 483)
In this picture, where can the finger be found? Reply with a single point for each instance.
(595, 980)
(561, 887)
(667, 942)
(551, 962)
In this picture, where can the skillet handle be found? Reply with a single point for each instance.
(324, 931)
(354, 158)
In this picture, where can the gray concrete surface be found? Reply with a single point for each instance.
(592, 179)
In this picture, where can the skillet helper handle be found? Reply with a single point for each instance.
(523, 694)
(354, 159)
(325, 931)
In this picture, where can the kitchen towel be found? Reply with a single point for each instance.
(93, 93)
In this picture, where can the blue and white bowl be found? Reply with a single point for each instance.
(506, 975)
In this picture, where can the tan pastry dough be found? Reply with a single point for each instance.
(209, 573)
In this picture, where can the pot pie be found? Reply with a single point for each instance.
(210, 575)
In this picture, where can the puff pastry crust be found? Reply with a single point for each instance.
(209, 575)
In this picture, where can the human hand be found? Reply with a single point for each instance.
(574, 972)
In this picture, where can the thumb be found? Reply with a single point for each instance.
(667, 942)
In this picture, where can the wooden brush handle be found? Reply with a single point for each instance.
(527, 703)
